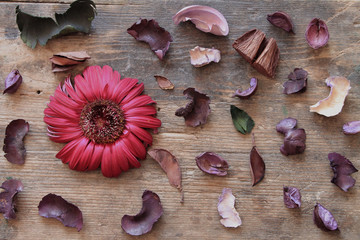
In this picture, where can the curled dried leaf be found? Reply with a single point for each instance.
(248, 92)
(317, 33)
(64, 61)
(14, 141)
(200, 56)
(281, 20)
(7, 205)
(149, 214)
(54, 206)
(332, 105)
(164, 83)
(351, 127)
(297, 81)
(150, 32)
(257, 165)
(212, 163)
(292, 197)
(12, 81)
(324, 219)
(206, 19)
(286, 124)
(226, 209)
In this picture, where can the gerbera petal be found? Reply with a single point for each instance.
(135, 146)
(62, 111)
(83, 89)
(93, 75)
(130, 157)
(62, 97)
(72, 93)
(123, 88)
(138, 101)
(60, 122)
(136, 91)
(67, 150)
(141, 133)
(119, 153)
(74, 158)
(96, 157)
(107, 168)
(64, 137)
(85, 157)
(144, 111)
(144, 121)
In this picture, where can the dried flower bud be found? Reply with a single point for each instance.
(317, 33)
(281, 20)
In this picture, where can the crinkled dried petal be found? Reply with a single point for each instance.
(212, 163)
(11, 188)
(150, 32)
(351, 127)
(294, 142)
(54, 206)
(205, 18)
(64, 61)
(200, 56)
(342, 168)
(297, 81)
(286, 124)
(332, 105)
(324, 219)
(226, 209)
(257, 166)
(14, 141)
(12, 81)
(292, 197)
(164, 83)
(317, 33)
(248, 92)
(281, 20)
(149, 214)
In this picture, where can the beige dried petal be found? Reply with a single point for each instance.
(230, 217)
(164, 83)
(202, 56)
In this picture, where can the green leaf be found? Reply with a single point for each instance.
(242, 121)
(77, 18)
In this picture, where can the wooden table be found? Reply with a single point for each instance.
(104, 201)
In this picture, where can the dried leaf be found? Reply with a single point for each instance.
(12, 81)
(324, 219)
(286, 124)
(226, 209)
(242, 121)
(351, 127)
(200, 56)
(281, 20)
(257, 165)
(317, 33)
(64, 61)
(292, 197)
(297, 81)
(11, 188)
(164, 83)
(212, 163)
(248, 92)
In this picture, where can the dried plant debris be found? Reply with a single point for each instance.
(54, 206)
(206, 19)
(197, 110)
(294, 141)
(64, 61)
(351, 128)
(200, 56)
(263, 54)
(332, 105)
(297, 81)
(12, 81)
(281, 20)
(212, 163)
(77, 18)
(342, 168)
(150, 32)
(149, 214)
(257, 165)
(242, 121)
(164, 83)
(292, 197)
(248, 92)
(14, 141)
(226, 209)
(317, 33)
(324, 219)
(7, 197)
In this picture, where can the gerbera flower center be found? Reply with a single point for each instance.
(102, 121)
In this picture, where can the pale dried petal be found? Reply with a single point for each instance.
(164, 83)
(202, 56)
(226, 209)
(351, 127)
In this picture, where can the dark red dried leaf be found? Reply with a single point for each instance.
(7, 205)
(54, 206)
(292, 197)
(14, 141)
(324, 219)
(248, 92)
(281, 20)
(212, 163)
(143, 222)
(317, 33)
(342, 168)
(197, 110)
(257, 165)
(64, 61)
(297, 81)
(150, 32)
(351, 127)
(164, 83)
(294, 142)
(286, 124)
(12, 81)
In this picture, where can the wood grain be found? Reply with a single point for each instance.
(104, 201)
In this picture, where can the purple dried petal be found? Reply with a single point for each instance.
(226, 209)
(257, 166)
(12, 81)
(11, 188)
(297, 81)
(143, 222)
(292, 197)
(281, 20)
(351, 127)
(286, 124)
(342, 168)
(54, 206)
(248, 92)
(197, 111)
(212, 163)
(324, 219)
(13, 142)
(150, 32)
(294, 142)
(317, 33)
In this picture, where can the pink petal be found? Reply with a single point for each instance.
(141, 133)
(138, 101)
(121, 160)
(135, 146)
(144, 121)
(123, 88)
(136, 91)
(144, 111)
(96, 157)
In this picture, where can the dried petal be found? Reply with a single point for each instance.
(11, 188)
(294, 142)
(203, 56)
(242, 121)
(197, 110)
(169, 164)
(149, 214)
(64, 61)
(297, 81)
(257, 166)
(292, 197)
(248, 92)
(324, 219)
(332, 105)
(281, 20)
(14, 141)
(205, 18)
(226, 209)
(212, 163)
(286, 124)
(342, 168)
(317, 33)
(12, 81)
(164, 83)
(54, 206)
(150, 32)
(351, 127)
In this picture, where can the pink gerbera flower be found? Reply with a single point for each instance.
(102, 118)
